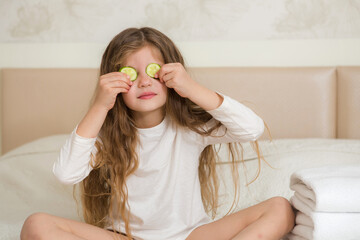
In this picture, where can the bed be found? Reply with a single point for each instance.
(313, 114)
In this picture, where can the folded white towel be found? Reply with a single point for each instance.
(326, 226)
(328, 189)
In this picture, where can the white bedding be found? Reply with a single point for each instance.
(27, 184)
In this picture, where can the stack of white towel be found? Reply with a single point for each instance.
(327, 203)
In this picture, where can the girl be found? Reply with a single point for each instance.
(145, 158)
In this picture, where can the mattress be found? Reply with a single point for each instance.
(27, 184)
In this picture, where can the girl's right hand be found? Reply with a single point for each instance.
(110, 85)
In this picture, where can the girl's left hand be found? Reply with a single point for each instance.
(175, 76)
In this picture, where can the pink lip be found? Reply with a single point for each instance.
(147, 95)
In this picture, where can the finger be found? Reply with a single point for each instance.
(156, 76)
(122, 90)
(123, 77)
(115, 75)
(169, 84)
(164, 70)
(115, 87)
(118, 84)
(168, 76)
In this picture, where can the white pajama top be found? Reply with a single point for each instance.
(164, 192)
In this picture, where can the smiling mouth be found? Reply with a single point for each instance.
(147, 96)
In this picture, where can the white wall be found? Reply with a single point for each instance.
(53, 33)
(324, 52)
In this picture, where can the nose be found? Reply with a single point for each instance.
(144, 80)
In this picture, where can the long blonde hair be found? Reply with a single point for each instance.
(116, 157)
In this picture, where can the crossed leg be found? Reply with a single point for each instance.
(46, 226)
(270, 220)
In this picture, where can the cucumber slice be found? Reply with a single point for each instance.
(151, 69)
(129, 71)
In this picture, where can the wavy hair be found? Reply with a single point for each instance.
(104, 195)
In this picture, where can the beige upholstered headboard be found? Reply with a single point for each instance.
(295, 102)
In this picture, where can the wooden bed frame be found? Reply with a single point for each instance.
(295, 102)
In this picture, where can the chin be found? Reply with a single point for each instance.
(148, 107)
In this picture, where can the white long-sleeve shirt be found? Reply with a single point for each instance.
(164, 193)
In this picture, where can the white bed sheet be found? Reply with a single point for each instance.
(27, 184)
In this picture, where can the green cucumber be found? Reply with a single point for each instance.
(152, 69)
(129, 71)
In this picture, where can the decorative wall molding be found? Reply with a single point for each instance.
(187, 20)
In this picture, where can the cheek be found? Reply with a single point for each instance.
(127, 97)
(130, 93)
(164, 90)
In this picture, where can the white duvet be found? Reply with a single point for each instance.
(27, 184)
